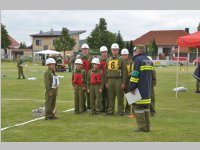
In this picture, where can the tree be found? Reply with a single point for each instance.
(152, 49)
(94, 39)
(127, 46)
(198, 28)
(119, 40)
(5, 42)
(22, 45)
(131, 46)
(101, 36)
(64, 42)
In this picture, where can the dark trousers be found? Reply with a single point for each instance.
(142, 116)
(198, 85)
(20, 72)
(105, 100)
(152, 105)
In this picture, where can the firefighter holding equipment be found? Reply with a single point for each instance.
(141, 78)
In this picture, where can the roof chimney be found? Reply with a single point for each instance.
(41, 32)
(187, 30)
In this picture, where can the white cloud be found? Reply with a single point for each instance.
(131, 23)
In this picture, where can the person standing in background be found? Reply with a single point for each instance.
(20, 65)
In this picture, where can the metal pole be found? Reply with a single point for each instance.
(177, 72)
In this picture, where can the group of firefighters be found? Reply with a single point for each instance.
(98, 81)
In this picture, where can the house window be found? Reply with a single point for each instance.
(38, 42)
(54, 41)
(45, 47)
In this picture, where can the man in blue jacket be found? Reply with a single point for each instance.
(196, 75)
(141, 78)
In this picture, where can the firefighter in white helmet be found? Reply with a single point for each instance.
(79, 85)
(116, 80)
(95, 85)
(86, 58)
(51, 84)
(102, 66)
(129, 66)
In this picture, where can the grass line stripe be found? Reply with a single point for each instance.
(36, 119)
(16, 99)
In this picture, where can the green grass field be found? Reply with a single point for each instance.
(177, 119)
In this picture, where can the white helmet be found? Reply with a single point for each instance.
(78, 61)
(95, 61)
(50, 61)
(77, 56)
(150, 58)
(115, 46)
(124, 51)
(103, 49)
(85, 46)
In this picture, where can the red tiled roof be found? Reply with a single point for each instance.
(162, 37)
(14, 43)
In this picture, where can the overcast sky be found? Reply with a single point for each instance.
(131, 23)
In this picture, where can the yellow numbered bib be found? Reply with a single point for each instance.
(113, 65)
(129, 68)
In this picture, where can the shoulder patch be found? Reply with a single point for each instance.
(135, 73)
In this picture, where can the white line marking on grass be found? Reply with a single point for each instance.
(68, 110)
(23, 123)
(16, 99)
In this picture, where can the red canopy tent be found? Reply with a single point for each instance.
(191, 40)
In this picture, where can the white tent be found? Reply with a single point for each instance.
(50, 52)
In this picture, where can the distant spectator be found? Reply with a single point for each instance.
(20, 65)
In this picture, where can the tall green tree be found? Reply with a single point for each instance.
(65, 42)
(152, 49)
(131, 46)
(22, 45)
(127, 45)
(198, 28)
(101, 36)
(5, 42)
(119, 40)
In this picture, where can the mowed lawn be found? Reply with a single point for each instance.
(177, 119)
